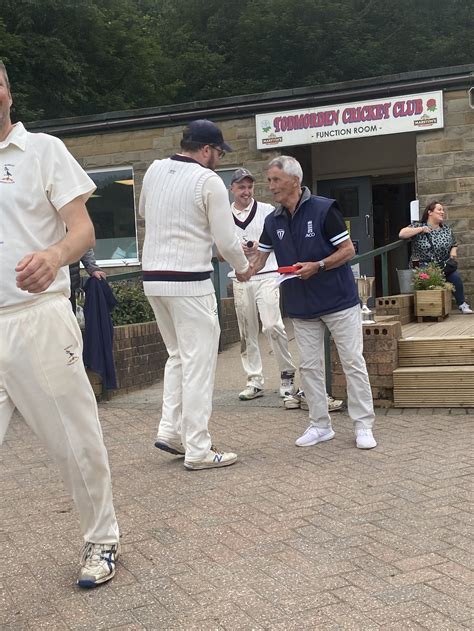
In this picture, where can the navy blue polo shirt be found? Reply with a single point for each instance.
(311, 233)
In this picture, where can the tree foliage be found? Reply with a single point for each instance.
(75, 57)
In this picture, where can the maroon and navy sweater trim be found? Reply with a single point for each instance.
(157, 275)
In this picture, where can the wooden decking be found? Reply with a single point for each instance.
(436, 364)
(455, 325)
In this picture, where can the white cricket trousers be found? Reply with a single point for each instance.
(43, 376)
(346, 330)
(262, 297)
(189, 326)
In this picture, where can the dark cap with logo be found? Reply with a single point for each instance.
(205, 132)
(241, 174)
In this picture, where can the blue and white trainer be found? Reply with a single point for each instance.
(98, 561)
(174, 447)
(214, 459)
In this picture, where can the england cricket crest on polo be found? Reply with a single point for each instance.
(280, 233)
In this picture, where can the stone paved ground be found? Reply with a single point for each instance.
(328, 537)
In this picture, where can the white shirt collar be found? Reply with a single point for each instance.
(243, 212)
(17, 136)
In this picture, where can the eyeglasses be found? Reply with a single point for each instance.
(221, 151)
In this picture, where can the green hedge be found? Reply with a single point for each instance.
(133, 306)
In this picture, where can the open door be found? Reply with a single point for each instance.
(355, 199)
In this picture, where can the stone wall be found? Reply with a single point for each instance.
(445, 172)
(444, 164)
(139, 148)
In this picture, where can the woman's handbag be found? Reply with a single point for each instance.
(450, 266)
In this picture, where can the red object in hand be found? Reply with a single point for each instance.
(288, 269)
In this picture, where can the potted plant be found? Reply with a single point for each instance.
(432, 292)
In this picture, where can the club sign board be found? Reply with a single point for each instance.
(397, 115)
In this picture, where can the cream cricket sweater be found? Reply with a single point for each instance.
(186, 208)
(249, 224)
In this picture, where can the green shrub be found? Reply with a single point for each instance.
(133, 306)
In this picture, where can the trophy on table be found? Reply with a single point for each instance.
(365, 286)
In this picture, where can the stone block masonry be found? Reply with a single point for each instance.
(445, 164)
(400, 305)
(381, 356)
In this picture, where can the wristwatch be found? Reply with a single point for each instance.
(322, 266)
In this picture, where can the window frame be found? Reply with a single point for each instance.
(125, 262)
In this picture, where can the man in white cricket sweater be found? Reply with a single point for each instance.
(258, 296)
(186, 209)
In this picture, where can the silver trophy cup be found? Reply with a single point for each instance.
(365, 287)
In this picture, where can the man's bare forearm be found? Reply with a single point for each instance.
(259, 261)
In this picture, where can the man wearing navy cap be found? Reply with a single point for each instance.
(186, 209)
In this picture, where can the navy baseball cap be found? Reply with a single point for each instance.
(241, 174)
(205, 132)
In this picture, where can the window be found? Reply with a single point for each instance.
(112, 210)
(224, 267)
(348, 199)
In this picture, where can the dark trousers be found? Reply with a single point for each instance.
(456, 280)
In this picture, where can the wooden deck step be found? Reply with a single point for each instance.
(434, 386)
(436, 351)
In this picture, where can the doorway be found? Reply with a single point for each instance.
(375, 209)
(391, 197)
(354, 196)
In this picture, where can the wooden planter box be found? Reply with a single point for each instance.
(433, 303)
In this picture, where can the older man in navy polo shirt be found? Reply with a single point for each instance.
(308, 232)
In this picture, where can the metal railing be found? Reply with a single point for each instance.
(383, 253)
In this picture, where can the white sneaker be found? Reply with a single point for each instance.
(295, 401)
(465, 308)
(287, 384)
(314, 435)
(250, 392)
(98, 562)
(214, 458)
(298, 400)
(334, 405)
(365, 439)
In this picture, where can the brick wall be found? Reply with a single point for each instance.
(381, 356)
(229, 326)
(140, 354)
(445, 171)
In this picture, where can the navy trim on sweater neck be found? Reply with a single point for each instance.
(250, 217)
(180, 158)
